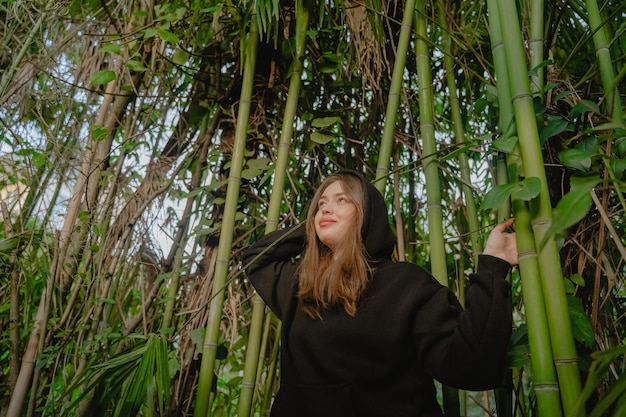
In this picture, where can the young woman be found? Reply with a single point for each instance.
(364, 336)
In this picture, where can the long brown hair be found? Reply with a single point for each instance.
(330, 279)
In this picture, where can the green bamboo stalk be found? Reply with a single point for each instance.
(459, 135)
(535, 44)
(564, 350)
(209, 351)
(607, 74)
(439, 270)
(427, 133)
(393, 100)
(544, 376)
(254, 339)
(548, 395)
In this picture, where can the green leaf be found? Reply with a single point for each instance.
(505, 145)
(111, 47)
(581, 323)
(325, 121)
(497, 196)
(168, 36)
(572, 208)
(555, 126)
(321, 138)
(150, 33)
(576, 159)
(98, 132)
(102, 77)
(582, 107)
(180, 57)
(134, 65)
(528, 189)
(618, 166)
(578, 280)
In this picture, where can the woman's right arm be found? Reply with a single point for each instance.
(271, 266)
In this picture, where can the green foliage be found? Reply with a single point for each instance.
(136, 379)
(147, 166)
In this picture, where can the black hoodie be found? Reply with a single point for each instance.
(408, 330)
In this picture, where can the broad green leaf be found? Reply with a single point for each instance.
(528, 189)
(572, 208)
(102, 77)
(259, 163)
(98, 132)
(325, 121)
(586, 182)
(555, 126)
(150, 33)
(578, 280)
(505, 145)
(618, 166)
(135, 65)
(180, 57)
(582, 107)
(111, 47)
(576, 159)
(497, 196)
(321, 138)
(168, 36)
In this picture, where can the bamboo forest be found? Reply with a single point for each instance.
(144, 144)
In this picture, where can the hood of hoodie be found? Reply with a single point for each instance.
(378, 238)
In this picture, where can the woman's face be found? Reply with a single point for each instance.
(335, 216)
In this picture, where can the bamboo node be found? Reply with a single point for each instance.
(565, 361)
(526, 255)
(546, 387)
(522, 97)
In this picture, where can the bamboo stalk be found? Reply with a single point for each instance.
(451, 400)
(603, 54)
(209, 351)
(459, 135)
(427, 133)
(564, 350)
(548, 395)
(393, 99)
(535, 44)
(258, 306)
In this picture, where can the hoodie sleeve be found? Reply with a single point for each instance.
(466, 348)
(271, 266)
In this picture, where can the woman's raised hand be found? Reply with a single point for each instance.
(502, 245)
